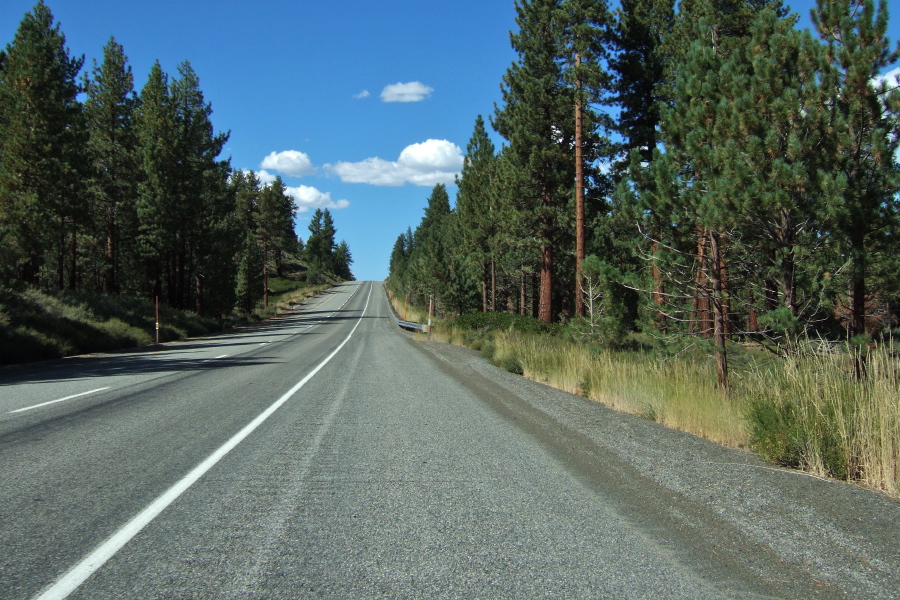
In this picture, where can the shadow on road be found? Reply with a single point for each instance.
(170, 356)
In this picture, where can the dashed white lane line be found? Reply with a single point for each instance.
(60, 400)
(96, 559)
(223, 356)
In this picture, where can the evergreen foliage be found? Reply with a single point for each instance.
(128, 194)
(866, 123)
(325, 258)
(111, 148)
(536, 120)
(756, 182)
(41, 134)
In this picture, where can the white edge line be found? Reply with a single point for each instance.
(18, 410)
(96, 559)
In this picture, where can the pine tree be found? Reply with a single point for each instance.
(693, 136)
(320, 246)
(428, 261)
(584, 39)
(249, 275)
(109, 113)
(40, 139)
(728, 20)
(275, 227)
(398, 259)
(639, 67)
(342, 260)
(199, 183)
(536, 120)
(157, 202)
(774, 155)
(477, 209)
(866, 124)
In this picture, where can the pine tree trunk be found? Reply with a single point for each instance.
(181, 274)
(199, 284)
(701, 321)
(61, 256)
(719, 314)
(788, 276)
(752, 316)
(658, 288)
(109, 255)
(579, 195)
(73, 265)
(858, 321)
(545, 305)
(493, 283)
(484, 287)
(725, 288)
(522, 297)
(788, 284)
(545, 310)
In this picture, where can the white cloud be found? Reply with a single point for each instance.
(308, 197)
(413, 91)
(426, 164)
(265, 177)
(289, 162)
(890, 78)
(362, 94)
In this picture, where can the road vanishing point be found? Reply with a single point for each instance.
(328, 454)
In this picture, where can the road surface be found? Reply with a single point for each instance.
(327, 454)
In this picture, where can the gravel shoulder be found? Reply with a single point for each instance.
(726, 512)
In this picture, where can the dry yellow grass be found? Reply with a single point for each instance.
(830, 409)
(864, 417)
(677, 394)
(857, 421)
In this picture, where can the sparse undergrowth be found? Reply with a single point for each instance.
(38, 326)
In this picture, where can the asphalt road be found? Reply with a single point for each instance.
(327, 454)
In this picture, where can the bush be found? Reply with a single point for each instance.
(800, 435)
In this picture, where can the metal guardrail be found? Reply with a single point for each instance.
(409, 325)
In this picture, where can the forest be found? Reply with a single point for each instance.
(106, 190)
(701, 174)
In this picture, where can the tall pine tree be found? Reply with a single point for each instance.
(40, 144)
(157, 201)
(109, 114)
(866, 124)
(536, 120)
(478, 209)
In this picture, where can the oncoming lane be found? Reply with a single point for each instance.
(76, 470)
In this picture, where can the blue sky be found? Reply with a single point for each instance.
(360, 106)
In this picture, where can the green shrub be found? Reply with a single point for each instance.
(799, 434)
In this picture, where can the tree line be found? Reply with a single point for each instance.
(106, 189)
(728, 175)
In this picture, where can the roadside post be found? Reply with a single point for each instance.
(430, 312)
(157, 319)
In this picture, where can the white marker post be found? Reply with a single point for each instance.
(430, 312)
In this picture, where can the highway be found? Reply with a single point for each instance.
(328, 454)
